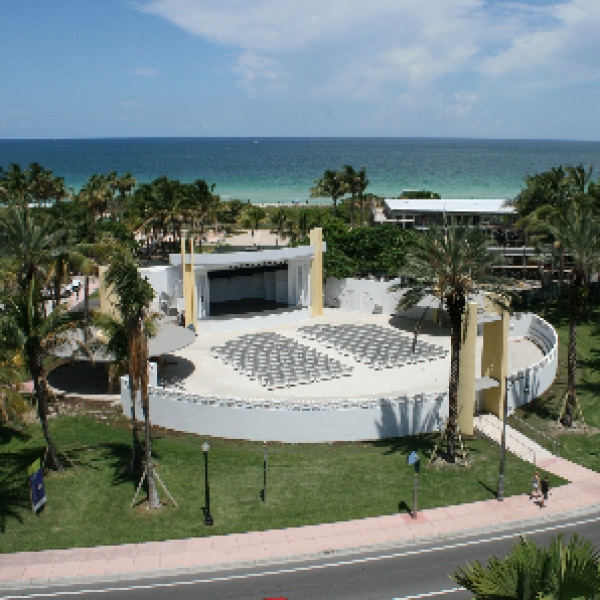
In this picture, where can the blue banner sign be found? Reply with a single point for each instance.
(38, 493)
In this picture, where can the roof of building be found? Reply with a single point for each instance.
(451, 206)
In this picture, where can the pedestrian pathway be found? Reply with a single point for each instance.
(211, 553)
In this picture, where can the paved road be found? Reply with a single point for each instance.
(417, 571)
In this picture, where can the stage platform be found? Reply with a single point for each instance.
(196, 370)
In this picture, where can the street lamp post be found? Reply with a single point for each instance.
(500, 495)
(208, 520)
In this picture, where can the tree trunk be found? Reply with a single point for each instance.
(574, 313)
(153, 501)
(455, 310)
(334, 207)
(361, 204)
(41, 394)
(134, 378)
(352, 201)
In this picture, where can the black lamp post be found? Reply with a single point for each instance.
(208, 520)
(500, 495)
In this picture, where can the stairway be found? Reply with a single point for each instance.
(490, 427)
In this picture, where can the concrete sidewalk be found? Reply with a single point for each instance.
(581, 496)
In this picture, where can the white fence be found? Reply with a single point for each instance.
(344, 419)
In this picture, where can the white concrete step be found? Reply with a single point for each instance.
(491, 427)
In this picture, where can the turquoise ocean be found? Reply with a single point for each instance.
(274, 170)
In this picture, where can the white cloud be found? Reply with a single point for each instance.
(381, 50)
(145, 72)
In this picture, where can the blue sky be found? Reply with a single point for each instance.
(458, 68)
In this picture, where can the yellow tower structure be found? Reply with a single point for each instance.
(316, 273)
(466, 382)
(494, 360)
(190, 294)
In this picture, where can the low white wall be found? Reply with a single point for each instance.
(368, 296)
(294, 421)
(311, 421)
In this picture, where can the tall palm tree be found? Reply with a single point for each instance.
(559, 572)
(279, 219)
(575, 230)
(25, 326)
(134, 295)
(255, 214)
(362, 183)
(452, 265)
(32, 243)
(331, 185)
(349, 176)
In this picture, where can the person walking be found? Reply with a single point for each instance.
(535, 486)
(545, 491)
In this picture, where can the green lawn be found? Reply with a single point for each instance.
(543, 413)
(90, 503)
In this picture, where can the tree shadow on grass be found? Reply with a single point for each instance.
(8, 434)
(544, 408)
(14, 490)
(423, 444)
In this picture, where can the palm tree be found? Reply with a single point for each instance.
(361, 183)
(279, 218)
(452, 265)
(24, 326)
(33, 244)
(576, 232)
(255, 215)
(349, 176)
(331, 185)
(559, 572)
(97, 195)
(200, 202)
(134, 295)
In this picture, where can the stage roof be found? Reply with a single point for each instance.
(247, 258)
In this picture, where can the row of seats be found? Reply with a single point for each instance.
(277, 361)
(377, 347)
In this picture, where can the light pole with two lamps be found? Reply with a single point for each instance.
(500, 495)
(208, 520)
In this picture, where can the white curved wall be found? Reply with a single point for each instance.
(310, 421)
(540, 375)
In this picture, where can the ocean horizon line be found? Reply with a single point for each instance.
(301, 137)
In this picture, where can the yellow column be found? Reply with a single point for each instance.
(316, 273)
(494, 361)
(188, 284)
(466, 382)
(108, 299)
(193, 291)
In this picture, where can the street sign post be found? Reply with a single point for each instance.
(414, 459)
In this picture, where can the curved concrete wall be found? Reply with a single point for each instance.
(531, 382)
(311, 421)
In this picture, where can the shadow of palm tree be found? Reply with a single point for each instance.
(422, 443)
(14, 490)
